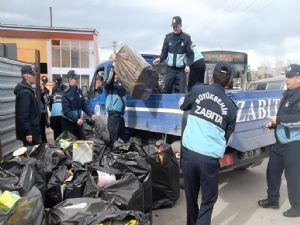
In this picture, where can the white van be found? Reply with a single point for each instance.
(269, 84)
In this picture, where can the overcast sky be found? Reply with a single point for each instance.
(267, 30)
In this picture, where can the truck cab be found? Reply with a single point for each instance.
(159, 118)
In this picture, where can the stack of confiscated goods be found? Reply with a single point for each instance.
(137, 76)
(84, 182)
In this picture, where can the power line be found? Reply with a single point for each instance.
(229, 11)
(215, 19)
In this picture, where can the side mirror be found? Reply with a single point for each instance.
(248, 76)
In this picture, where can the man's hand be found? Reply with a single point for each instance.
(94, 117)
(156, 61)
(113, 56)
(29, 139)
(79, 122)
(187, 69)
(273, 120)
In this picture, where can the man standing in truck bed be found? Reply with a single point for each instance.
(176, 51)
(209, 127)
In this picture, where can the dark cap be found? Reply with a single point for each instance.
(28, 70)
(223, 67)
(72, 75)
(176, 21)
(58, 80)
(44, 80)
(292, 70)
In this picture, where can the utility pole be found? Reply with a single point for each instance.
(50, 16)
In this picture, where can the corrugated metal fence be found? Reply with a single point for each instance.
(10, 75)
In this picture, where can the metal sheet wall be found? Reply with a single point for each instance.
(9, 77)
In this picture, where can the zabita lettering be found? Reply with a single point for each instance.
(209, 114)
(256, 109)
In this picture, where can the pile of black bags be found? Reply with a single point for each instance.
(54, 189)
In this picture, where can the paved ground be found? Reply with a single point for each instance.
(237, 202)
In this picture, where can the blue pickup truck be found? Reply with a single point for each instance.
(159, 117)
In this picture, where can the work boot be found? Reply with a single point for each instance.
(266, 203)
(292, 212)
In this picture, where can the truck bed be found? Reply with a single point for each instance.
(160, 113)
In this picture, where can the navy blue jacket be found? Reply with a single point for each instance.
(45, 98)
(27, 113)
(73, 103)
(177, 50)
(288, 117)
(115, 92)
(211, 121)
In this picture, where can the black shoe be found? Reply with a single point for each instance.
(266, 203)
(292, 212)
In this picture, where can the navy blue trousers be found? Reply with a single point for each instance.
(284, 158)
(73, 128)
(173, 75)
(197, 73)
(116, 127)
(199, 171)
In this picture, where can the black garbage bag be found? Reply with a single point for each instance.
(28, 210)
(66, 182)
(88, 129)
(165, 176)
(75, 187)
(137, 76)
(126, 192)
(54, 194)
(26, 175)
(71, 211)
(66, 135)
(133, 162)
(49, 158)
(65, 140)
(9, 181)
(117, 218)
(100, 148)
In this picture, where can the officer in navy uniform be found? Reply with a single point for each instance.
(115, 106)
(209, 127)
(285, 154)
(56, 107)
(198, 68)
(73, 106)
(178, 54)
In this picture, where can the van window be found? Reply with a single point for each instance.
(261, 86)
(274, 86)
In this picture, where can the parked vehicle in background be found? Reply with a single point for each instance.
(239, 62)
(268, 84)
